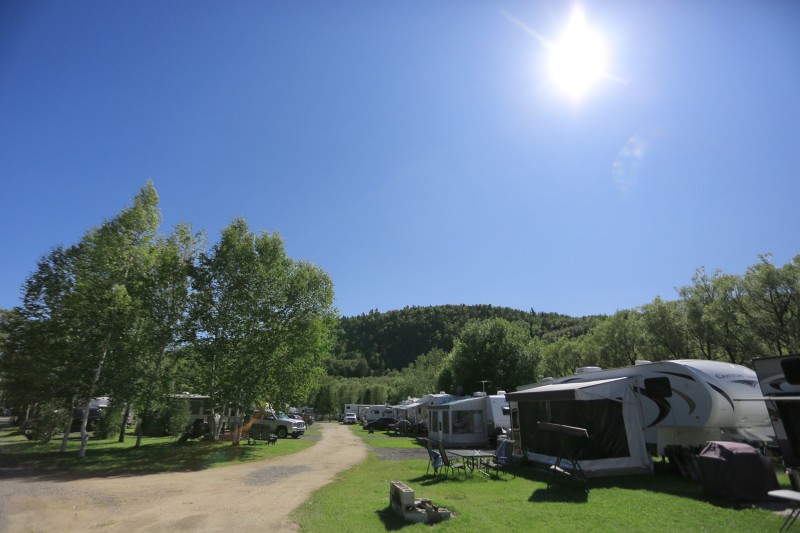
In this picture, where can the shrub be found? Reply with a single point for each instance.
(48, 422)
(110, 422)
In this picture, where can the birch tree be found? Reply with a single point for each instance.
(262, 321)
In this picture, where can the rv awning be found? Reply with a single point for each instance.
(563, 391)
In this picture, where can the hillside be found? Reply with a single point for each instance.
(372, 343)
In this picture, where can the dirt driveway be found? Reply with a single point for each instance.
(257, 496)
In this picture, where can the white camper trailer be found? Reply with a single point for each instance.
(674, 404)
(417, 411)
(468, 422)
(355, 408)
(370, 413)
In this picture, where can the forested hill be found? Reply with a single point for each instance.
(372, 343)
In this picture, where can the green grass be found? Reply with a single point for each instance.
(384, 439)
(109, 457)
(359, 501)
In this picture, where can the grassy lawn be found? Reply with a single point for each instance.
(359, 501)
(162, 454)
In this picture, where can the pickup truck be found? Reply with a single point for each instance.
(278, 424)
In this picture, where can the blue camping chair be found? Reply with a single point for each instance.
(502, 458)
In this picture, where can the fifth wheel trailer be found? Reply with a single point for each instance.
(679, 404)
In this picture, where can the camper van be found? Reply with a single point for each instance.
(641, 410)
(468, 422)
(779, 379)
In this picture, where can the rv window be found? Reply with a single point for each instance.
(658, 387)
(791, 369)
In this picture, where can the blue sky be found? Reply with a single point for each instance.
(419, 152)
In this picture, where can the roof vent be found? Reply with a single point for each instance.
(501, 392)
(588, 369)
(642, 362)
(478, 394)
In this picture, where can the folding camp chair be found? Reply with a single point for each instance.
(501, 459)
(452, 465)
(431, 458)
(434, 458)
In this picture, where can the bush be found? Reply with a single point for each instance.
(48, 422)
(171, 419)
(110, 422)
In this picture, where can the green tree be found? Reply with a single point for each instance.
(262, 320)
(492, 350)
(664, 329)
(772, 305)
(616, 341)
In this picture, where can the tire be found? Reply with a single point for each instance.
(281, 432)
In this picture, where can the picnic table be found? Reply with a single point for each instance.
(472, 458)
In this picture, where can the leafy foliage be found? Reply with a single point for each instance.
(376, 342)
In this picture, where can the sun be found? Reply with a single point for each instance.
(578, 59)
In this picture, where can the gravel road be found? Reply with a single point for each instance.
(257, 496)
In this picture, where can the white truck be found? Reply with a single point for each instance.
(262, 425)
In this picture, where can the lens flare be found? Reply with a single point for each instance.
(579, 58)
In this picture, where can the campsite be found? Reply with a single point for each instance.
(522, 497)
(358, 498)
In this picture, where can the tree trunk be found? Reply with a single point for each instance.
(124, 424)
(97, 372)
(139, 427)
(237, 432)
(66, 433)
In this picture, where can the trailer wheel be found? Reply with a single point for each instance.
(281, 433)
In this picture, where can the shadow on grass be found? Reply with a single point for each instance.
(391, 522)
(37, 461)
(569, 493)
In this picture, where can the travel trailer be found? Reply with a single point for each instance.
(355, 408)
(371, 413)
(417, 412)
(779, 379)
(468, 422)
(646, 409)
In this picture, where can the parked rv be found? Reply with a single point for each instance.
(633, 412)
(416, 412)
(469, 422)
(374, 412)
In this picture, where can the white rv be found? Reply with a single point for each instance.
(355, 408)
(468, 422)
(417, 412)
(370, 413)
(663, 406)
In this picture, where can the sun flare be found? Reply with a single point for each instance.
(578, 58)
